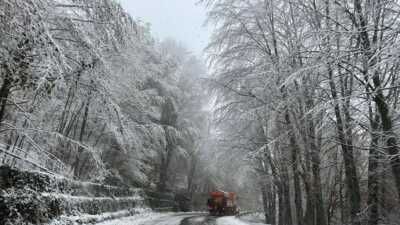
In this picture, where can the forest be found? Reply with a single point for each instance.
(88, 93)
(309, 90)
(295, 106)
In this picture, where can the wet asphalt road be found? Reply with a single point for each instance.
(184, 219)
(199, 220)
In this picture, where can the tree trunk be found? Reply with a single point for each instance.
(286, 196)
(163, 178)
(309, 217)
(281, 206)
(191, 174)
(295, 169)
(386, 121)
(267, 198)
(272, 205)
(4, 93)
(320, 209)
(76, 165)
(313, 143)
(373, 174)
(391, 139)
(353, 187)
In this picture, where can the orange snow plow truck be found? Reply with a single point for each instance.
(222, 203)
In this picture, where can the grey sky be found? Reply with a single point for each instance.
(181, 20)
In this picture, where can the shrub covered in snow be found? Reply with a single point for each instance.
(26, 205)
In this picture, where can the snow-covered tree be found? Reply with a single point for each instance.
(87, 92)
(312, 85)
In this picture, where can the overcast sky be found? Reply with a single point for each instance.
(181, 20)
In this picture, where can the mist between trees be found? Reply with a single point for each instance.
(304, 96)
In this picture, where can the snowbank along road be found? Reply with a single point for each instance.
(178, 219)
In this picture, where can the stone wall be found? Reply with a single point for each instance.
(37, 198)
(43, 182)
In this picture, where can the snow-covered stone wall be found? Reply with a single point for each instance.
(37, 198)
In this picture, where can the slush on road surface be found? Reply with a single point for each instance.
(177, 219)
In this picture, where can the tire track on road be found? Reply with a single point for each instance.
(175, 219)
(199, 220)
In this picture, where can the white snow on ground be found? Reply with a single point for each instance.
(253, 218)
(231, 220)
(86, 218)
(137, 216)
(83, 198)
(138, 219)
(150, 218)
(171, 219)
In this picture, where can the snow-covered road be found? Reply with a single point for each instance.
(176, 219)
